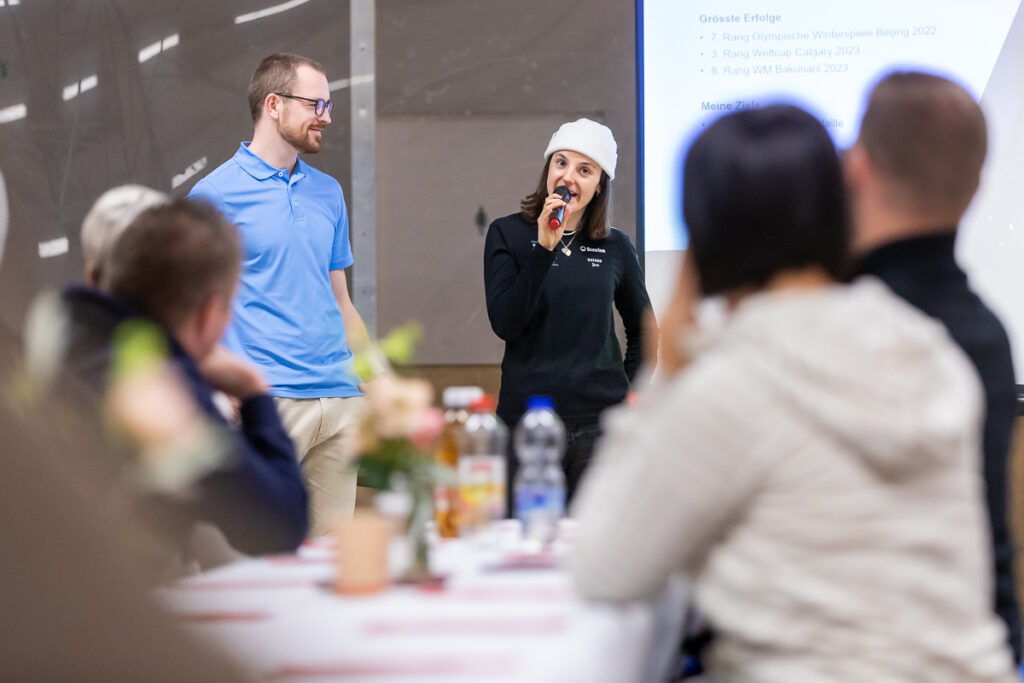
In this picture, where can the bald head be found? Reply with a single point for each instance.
(926, 139)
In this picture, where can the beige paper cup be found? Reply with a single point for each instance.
(362, 552)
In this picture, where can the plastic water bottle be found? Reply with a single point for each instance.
(482, 472)
(540, 483)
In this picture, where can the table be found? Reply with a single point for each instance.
(512, 620)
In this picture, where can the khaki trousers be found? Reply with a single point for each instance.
(324, 431)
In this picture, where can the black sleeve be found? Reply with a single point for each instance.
(259, 501)
(512, 292)
(996, 370)
(631, 300)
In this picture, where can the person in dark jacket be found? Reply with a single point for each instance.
(551, 291)
(912, 174)
(174, 271)
(73, 582)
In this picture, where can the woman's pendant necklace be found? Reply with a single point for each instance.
(565, 247)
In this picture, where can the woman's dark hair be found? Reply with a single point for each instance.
(595, 217)
(763, 192)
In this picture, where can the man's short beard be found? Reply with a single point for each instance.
(301, 142)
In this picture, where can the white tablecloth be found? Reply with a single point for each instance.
(280, 619)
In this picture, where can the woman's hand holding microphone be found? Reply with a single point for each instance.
(549, 237)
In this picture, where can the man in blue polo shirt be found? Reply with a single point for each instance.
(293, 316)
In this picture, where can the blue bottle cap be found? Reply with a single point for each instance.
(540, 401)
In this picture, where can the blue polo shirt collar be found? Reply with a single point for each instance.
(261, 170)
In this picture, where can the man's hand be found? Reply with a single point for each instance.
(152, 405)
(230, 374)
(356, 336)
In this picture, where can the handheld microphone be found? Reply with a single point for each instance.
(556, 215)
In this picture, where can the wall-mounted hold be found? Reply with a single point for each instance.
(153, 49)
(193, 168)
(480, 219)
(13, 112)
(75, 89)
(56, 247)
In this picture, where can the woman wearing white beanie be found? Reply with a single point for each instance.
(551, 287)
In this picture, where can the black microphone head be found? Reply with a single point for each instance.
(563, 192)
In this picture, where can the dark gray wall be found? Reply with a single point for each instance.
(472, 57)
(142, 122)
(439, 63)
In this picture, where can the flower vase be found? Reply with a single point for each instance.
(416, 529)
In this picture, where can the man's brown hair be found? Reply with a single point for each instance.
(276, 73)
(926, 137)
(173, 258)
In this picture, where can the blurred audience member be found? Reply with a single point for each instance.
(73, 580)
(911, 175)
(107, 219)
(166, 291)
(3, 215)
(810, 462)
(9, 352)
(46, 323)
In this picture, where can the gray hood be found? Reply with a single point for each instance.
(866, 367)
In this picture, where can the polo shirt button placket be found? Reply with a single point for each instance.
(295, 209)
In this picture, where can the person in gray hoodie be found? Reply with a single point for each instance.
(811, 460)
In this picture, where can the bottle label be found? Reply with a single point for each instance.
(539, 508)
(481, 489)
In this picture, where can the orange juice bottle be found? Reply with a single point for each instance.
(456, 401)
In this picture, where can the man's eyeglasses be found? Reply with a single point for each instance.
(319, 106)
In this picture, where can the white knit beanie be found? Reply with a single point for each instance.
(587, 137)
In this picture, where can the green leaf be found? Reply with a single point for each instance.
(400, 456)
(400, 345)
(138, 345)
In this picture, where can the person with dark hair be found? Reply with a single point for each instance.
(73, 577)
(293, 317)
(172, 275)
(911, 174)
(550, 293)
(810, 460)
